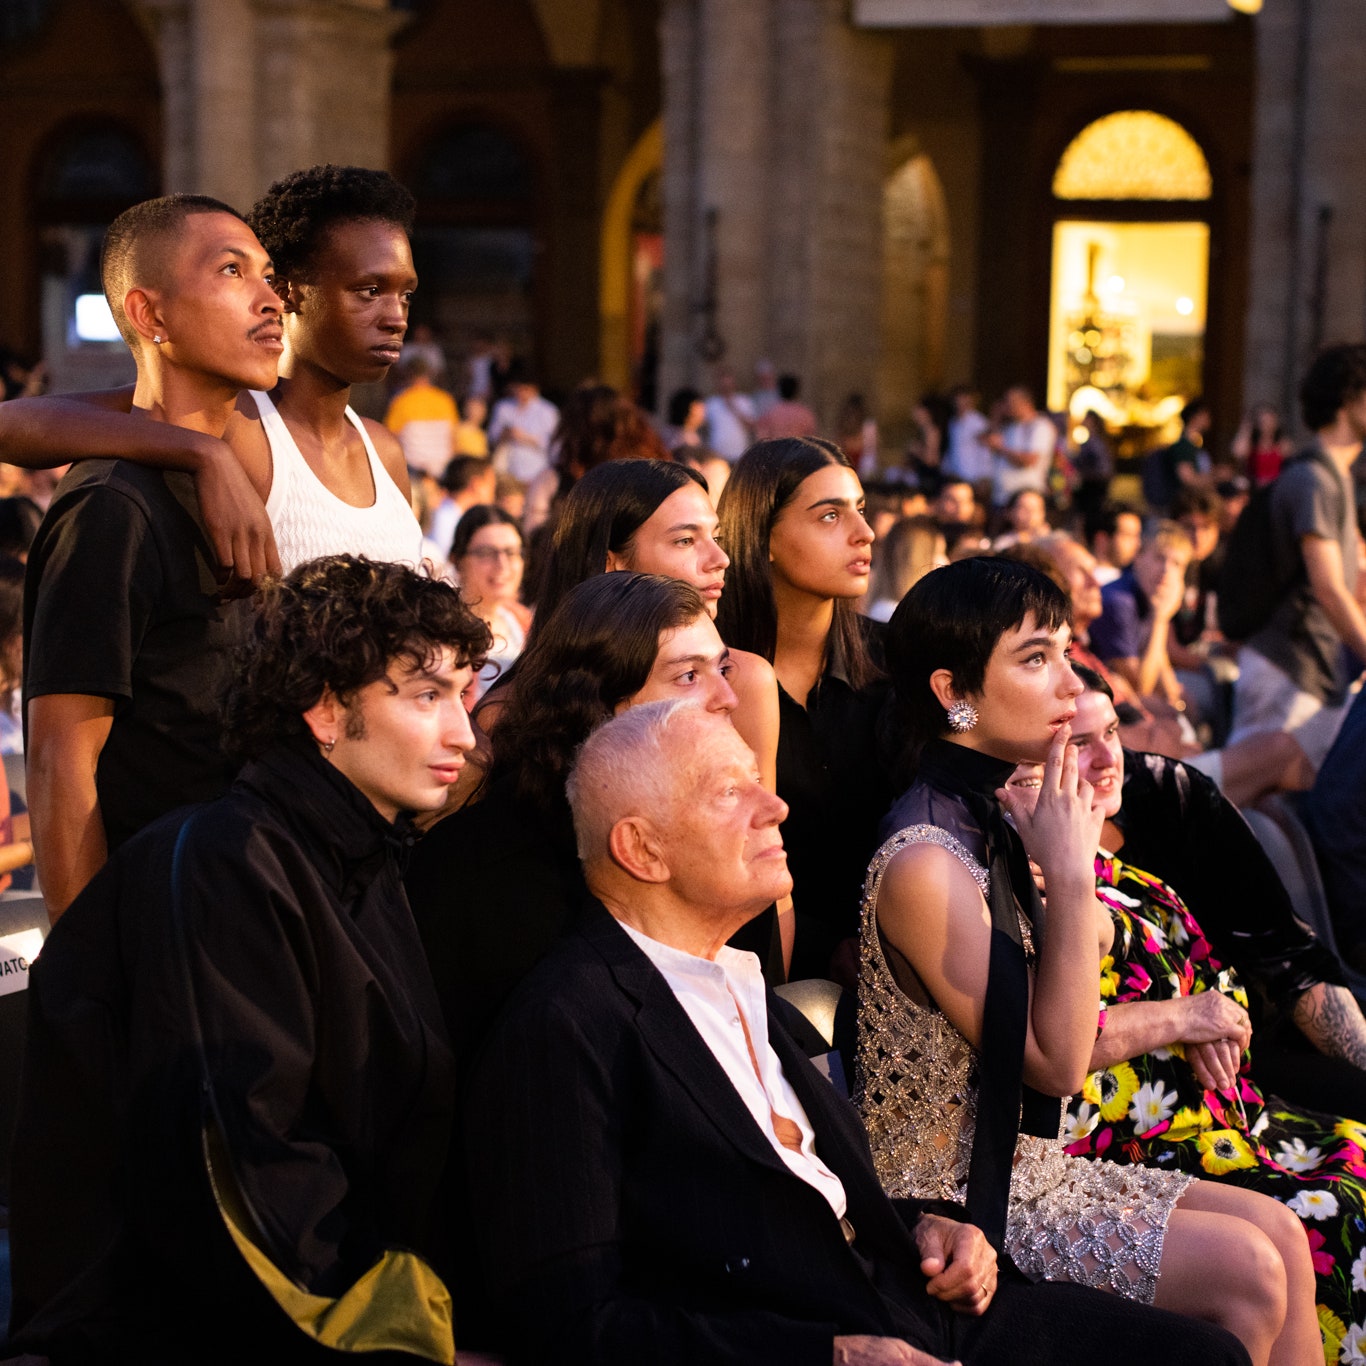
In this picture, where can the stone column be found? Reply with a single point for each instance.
(325, 74)
(1307, 267)
(257, 88)
(716, 158)
(831, 87)
(775, 116)
(678, 51)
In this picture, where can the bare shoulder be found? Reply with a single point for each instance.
(753, 675)
(246, 434)
(924, 884)
(390, 454)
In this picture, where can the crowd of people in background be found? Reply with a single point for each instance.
(425, 807)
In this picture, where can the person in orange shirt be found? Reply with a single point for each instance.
(424, 419)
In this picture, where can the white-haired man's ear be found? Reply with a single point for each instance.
(635, 847)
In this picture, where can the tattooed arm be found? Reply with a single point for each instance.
(1332, 1022)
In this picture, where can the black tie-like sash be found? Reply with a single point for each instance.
(1006, 1107)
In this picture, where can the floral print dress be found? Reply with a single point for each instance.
(1152, 1110)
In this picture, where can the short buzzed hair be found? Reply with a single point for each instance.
(133, 253)
(622, 770)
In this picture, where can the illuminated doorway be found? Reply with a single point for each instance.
(1130, 273)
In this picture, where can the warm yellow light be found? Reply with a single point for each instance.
(1114, 285)
(1133, 154)
(1246, 6)
(1185, 307)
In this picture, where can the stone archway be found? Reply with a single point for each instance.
(915, 235)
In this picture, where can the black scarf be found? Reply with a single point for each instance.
(1005, 1105)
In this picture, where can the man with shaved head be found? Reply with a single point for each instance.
(127, 646)
(659, 1175)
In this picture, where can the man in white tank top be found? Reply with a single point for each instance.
(331, 482)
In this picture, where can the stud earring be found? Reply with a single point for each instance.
(157, 339)
(962, 717)
(329, 746)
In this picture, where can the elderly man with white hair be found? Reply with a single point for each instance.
(658, 1173)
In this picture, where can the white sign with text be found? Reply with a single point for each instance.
(970, 13)
(17, 951)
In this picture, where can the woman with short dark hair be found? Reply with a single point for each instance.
(976, 1015)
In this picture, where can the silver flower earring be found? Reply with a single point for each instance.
(962, 717)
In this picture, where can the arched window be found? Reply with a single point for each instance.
(1131, 245)
(1134, 154)
(92, 168)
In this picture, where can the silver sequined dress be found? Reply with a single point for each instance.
(1094, 1223)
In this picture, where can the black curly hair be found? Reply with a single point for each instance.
(339, 623)
(294, 216)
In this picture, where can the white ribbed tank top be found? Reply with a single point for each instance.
(309, 520)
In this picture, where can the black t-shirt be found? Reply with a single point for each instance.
(1179, 827)
(120, 603)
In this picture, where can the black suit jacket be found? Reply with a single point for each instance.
(631, 1209)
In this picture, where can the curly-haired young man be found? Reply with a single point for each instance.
(331, 482)
(238, 1082)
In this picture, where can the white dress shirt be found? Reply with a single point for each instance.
(714, 994)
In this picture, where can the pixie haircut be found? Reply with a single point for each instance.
(294, 216)
(134, 249)
(338, 624)
(1337, 377)
(602, 514)
(594, 652)
(953, 619)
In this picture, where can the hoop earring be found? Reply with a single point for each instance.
(962, 717)
(329, 746)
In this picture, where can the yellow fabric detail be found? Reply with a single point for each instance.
(400, 1304)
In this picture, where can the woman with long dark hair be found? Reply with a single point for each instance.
(792, 523)
(492, 885)
(976, 1015)
(649, 517)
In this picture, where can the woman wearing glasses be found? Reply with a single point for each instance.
(487, 554)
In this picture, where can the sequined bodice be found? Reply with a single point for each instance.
(917, 1084)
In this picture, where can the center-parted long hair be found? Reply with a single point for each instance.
(761, 485)
(592, 653)
(601, 513)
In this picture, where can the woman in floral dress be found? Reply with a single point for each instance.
(1183, 1099)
